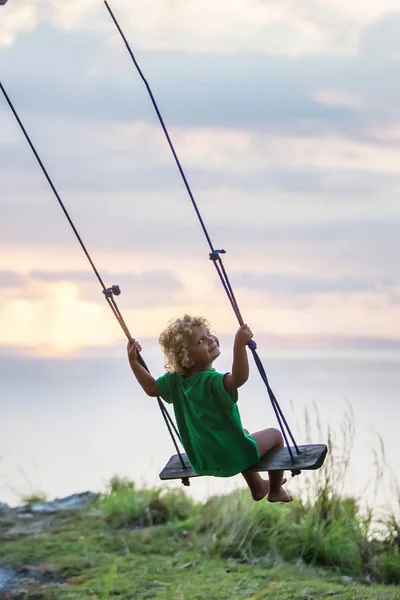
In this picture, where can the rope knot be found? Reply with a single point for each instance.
(113, 290)
(214, 255)
(252, 345)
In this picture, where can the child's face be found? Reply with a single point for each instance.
(203, 347)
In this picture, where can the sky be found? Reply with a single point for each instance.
(286, 119)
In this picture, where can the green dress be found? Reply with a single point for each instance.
(209, 423)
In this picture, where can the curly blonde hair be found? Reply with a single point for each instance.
(174, 342)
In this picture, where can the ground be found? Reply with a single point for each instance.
(76, 555)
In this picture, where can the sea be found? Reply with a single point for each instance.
(69, 425)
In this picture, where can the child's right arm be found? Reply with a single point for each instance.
(144, 378)
(240, 366)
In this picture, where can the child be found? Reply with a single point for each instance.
(205, 407)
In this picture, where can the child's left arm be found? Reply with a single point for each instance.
(240, 365)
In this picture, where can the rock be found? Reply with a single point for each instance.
(73, 502)
(7, 578)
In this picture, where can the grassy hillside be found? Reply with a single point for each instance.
(148, 543)
(158, 543)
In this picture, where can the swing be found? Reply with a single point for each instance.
(295, 458)
(292, 457)
(310, 457)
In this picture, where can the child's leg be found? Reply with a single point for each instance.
(266, 440)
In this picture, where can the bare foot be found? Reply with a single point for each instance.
(263, 490)
(281, 496)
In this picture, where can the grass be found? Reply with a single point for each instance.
(34, 497)
(156, 543)
(125, 505)
(90, 559)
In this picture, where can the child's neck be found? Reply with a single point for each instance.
(198, 368)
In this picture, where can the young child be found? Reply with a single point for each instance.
(205, 407)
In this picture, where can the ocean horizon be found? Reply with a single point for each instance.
(70, 425)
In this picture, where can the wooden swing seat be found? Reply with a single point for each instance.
(311, 457)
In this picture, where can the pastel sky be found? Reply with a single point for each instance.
(286, 118)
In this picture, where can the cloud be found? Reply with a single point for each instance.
(322, 343)
(15, 358)
(285, 27)
(153, 288)
(121, 156)
(99, 82)
(53, 316)
(285, 117)
(19, 18)
(16, 19)
(189, 90)
(308, 285)
(301, 292)
(148, 288)
(337, 98)
(55, 323)
(8, 279)
(381, 39)
(60, 313)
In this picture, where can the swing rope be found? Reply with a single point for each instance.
(110, 292)
(215, 255)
